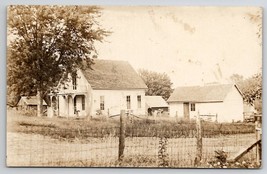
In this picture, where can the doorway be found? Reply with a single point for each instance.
(186, 111)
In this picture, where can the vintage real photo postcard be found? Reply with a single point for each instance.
(134, 86)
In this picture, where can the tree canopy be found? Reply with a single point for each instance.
(46, 42)
(158, 83)
(250, 87)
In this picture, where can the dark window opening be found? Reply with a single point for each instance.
(139, 101)
(74, 81)
(193, 107)
(102, 103)
(128, 101)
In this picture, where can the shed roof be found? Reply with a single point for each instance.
(155, 101)
(31, 100)
(113, 74)
(212, 93)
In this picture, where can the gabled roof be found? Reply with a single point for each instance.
(32, 100)
(113, 74)
(212, 93)
(155, 101)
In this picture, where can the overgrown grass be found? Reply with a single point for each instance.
(103, 127)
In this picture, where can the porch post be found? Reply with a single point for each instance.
(50, 112)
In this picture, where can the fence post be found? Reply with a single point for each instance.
(258, 137)
(122, 135)
(199, 141)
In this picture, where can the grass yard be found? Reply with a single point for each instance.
(33, 141)
(37, 150)
(100, 127)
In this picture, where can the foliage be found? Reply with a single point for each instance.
(72, 128)
(158, 83)
(129, 161)
(47, 42)
(162, 153)
(221, 162)
(250, 87)
(237, 79)
(158, 136)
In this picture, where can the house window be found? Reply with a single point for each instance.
(74, 82)
(83, 102)
(128, 101)
(139, 101)
(102, 103)
(193, 107)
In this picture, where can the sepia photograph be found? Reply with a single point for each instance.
(134, 86)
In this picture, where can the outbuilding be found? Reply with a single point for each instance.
(156, 105)
(222, 103)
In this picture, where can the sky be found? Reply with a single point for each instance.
(193, 45)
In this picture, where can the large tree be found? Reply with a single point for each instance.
(157, 83)
(47, 42)
(250, 87)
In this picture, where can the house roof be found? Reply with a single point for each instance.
(212, 93)
(155, 101)
(113, 74)
(32, 100)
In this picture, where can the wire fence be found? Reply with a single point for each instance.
(91, 148)
(144, 147)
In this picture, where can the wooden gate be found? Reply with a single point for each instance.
(257, 143)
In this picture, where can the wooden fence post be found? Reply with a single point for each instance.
(258, 137)
(199, 141)
(122, 135)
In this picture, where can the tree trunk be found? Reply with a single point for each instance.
(39, 103)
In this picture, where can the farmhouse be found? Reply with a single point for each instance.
(156, 105)
(224, 103)
(104, 89)
(29, 102)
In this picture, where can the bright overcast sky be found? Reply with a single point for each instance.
(187, 43)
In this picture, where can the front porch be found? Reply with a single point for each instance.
(69, 105)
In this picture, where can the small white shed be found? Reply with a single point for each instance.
(29, 102)
(222, 101)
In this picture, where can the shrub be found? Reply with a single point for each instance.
(162, 153)
(221, 162)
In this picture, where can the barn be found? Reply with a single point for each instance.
(222, 103)
(104, 89)
(156, 105)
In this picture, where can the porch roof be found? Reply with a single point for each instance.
(156, 101)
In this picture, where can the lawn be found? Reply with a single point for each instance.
(33, 141)
(100, 127)
(38, 150)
